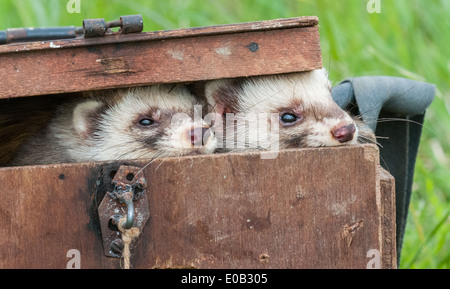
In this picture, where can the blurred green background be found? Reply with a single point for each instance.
(408, 38)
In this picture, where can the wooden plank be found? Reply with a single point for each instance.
(283, 23)
(182, 56)
(45, 214)
(388, 214)
(215, 211)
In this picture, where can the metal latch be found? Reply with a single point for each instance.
(127, 199)
(91, 28)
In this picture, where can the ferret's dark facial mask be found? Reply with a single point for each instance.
(281, 111)
(144, 122)
(141, 123)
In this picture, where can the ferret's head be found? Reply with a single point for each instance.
(306, 114)
(142, 122)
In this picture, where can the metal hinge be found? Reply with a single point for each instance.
(127, 200)
(91, 28)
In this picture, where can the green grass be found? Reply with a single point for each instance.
(409, 38)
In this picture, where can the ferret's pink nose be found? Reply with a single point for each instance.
(199, 136)
(344, 133)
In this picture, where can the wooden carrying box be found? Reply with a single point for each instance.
(306, 208)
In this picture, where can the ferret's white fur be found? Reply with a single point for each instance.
(115, 125)
(308, 92)
(106, 127)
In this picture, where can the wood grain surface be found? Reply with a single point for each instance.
(185, 55)
(306, 208)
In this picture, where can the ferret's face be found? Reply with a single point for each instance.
(296, 108)
(148, 122)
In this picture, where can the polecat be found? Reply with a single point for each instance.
(281, 111)
(141, 122)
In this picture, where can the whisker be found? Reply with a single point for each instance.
(158, 155)
(363, 139)
(385, 164)
(381, 120)
(378, 102)
(163, 160)
(117, 146)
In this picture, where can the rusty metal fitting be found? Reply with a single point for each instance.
(98, 27)
(94, 27)
(127, 199)
(91, 28)
(125, 194)
(131, 24)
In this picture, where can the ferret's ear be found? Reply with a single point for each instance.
(83, 114)
(217, 93)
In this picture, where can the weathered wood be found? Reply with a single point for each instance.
(283, 23)
(184, 55)
(388, 216)
(215, 211)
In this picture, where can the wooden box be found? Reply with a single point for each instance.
(306, 208)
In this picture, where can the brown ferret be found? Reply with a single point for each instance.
(134, 123)
(273, 112)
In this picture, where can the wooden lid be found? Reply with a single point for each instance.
(182, 55)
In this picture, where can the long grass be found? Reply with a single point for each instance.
(409, 38)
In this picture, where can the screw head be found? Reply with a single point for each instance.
(117, 246)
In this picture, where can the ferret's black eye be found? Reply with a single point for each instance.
(146, 122)
(288, 118)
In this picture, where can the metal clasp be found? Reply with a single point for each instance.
(125, 193)
(99, 27)
(128, 198)
(91, 28)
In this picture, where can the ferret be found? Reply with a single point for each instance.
(293, 110)
(142, 122)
